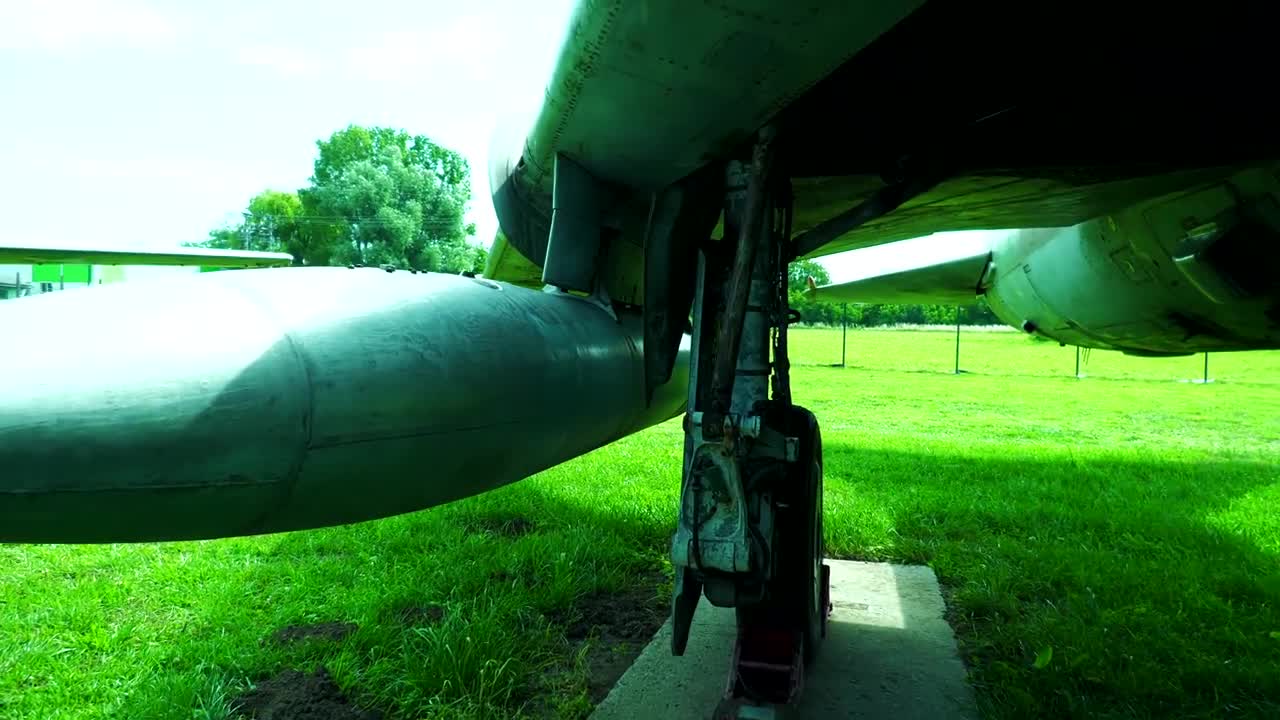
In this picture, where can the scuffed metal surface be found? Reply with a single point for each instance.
(259, 401)
(643, 94)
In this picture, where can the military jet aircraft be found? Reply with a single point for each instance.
(683, 154)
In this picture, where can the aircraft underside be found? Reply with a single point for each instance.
(683, 155)
(895, 120)
(946, 116)
(1032, 115)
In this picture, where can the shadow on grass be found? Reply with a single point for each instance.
(1144, 579)
(1140, 584)
(517, 603)
(1067, 373)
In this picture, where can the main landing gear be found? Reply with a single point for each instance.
(749, 533)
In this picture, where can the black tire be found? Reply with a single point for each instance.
(814, 612)
(795, 597)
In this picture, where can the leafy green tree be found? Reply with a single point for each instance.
(226, 238)
(273, 222)
(811, 311)
(377, 196)
(481, 259)
(799, 271)
(380, 196)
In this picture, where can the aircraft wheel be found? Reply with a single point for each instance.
(797, 597)
(815, 598)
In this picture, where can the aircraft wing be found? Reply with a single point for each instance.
(953, 281)
(205, 257)
(507, 264)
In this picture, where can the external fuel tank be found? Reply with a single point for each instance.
(256, 401)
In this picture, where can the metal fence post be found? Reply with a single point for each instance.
(844, 331)
(957, 340)
(1206, 368)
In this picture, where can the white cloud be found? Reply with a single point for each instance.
(286, 61)
(468, 70)
(113, 169)
(445, 54)
(475, 51)
(60, 25)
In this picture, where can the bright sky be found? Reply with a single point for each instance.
(148, 123)
(144, 122)
(895, 257)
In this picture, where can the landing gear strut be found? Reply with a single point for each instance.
(749, 533)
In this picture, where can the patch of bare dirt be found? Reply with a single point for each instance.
(325, 631)
(618, 625)
(293, 695)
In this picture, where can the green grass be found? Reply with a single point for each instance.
(1126, 521)
(1008, 353)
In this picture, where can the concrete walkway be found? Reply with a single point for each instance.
(888, 654)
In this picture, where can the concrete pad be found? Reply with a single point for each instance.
(889, 653)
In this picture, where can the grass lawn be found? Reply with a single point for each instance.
(1123, 527)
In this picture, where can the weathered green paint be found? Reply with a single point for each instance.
(249, 402)
(507, 264)
(235, 403)
(644, 94)
(1151, 279)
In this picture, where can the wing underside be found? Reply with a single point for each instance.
(952, 281)
(644, 95)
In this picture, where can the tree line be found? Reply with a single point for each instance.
(380, 196)
(376, 196)
(817, 312)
